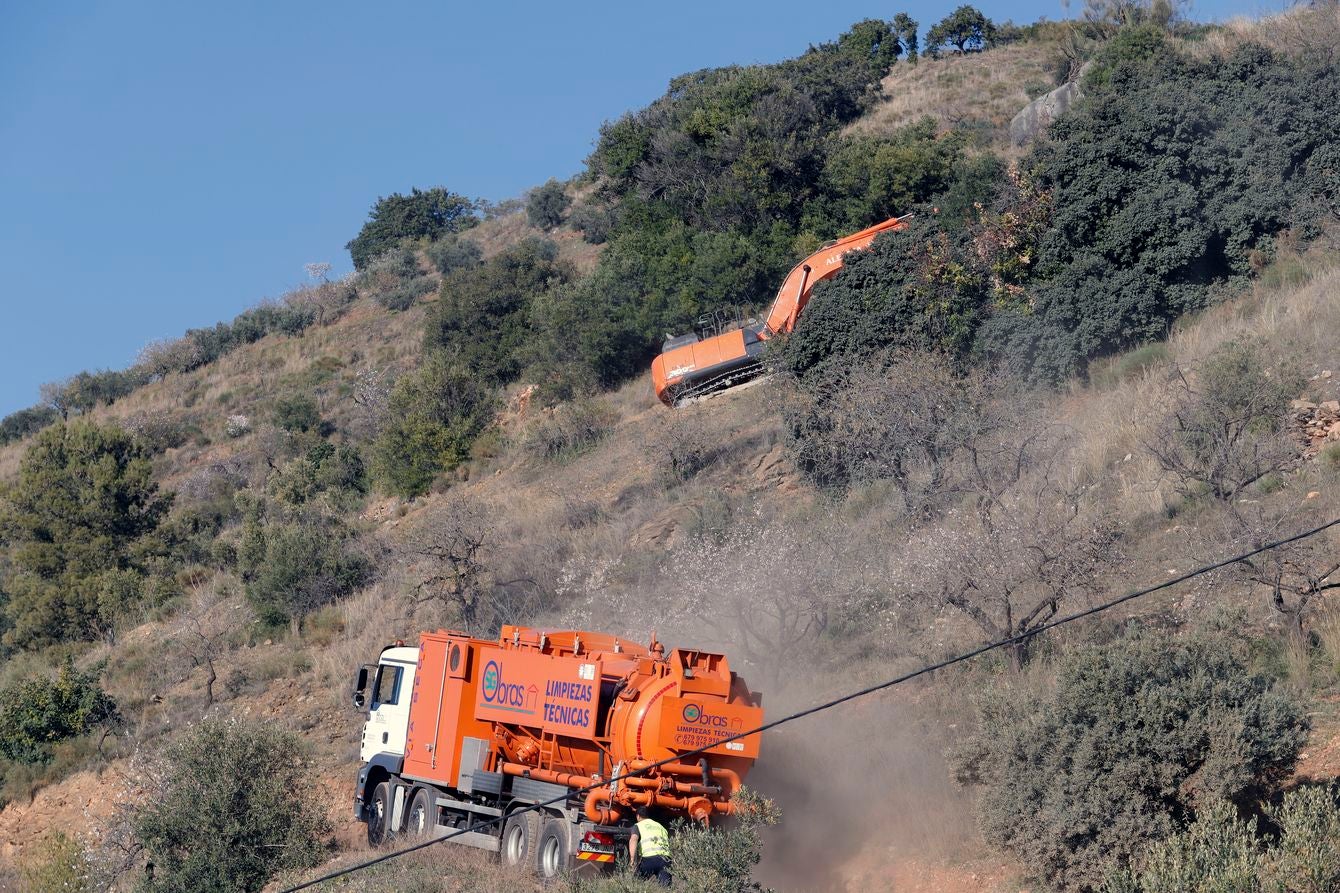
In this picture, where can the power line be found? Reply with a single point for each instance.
(827, 705)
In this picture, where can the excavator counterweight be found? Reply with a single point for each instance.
(690, 366)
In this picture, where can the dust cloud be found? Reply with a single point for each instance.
(864, 790)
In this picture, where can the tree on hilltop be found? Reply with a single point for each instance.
(906, 28)
(966, 28)
(424, 213)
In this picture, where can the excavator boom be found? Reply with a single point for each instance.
(822, 264)
(690, 367)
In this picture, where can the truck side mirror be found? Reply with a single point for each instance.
(360, 684)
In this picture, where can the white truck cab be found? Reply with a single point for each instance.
(392, 682)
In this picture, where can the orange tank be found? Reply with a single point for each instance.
(579, 708)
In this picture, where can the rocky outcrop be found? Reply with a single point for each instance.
(1315, 425)
(1035, 116)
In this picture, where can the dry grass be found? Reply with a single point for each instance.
(440, 869)
(324, 362)
(1293, 309)
(1301, 29)
(988, 87)
(501, 233)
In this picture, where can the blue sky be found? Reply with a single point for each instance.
(165, 165)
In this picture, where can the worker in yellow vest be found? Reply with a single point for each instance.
(653, 842)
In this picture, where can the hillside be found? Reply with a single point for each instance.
(978, 451)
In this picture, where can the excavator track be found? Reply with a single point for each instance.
(715, 385)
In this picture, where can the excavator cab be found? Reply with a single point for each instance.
(672, 342)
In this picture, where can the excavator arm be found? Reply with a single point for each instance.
(822, 264)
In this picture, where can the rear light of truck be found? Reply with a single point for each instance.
(596, 846)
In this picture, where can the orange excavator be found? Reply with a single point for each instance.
(690, 366)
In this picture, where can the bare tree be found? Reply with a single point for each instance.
(1225, 427)
(161, 358)
(56, 395)
(909, 418)
(451, 563)
(325, 300)
(770, 591)
(317, 271)
(1292, 576)
(372, 395)
(1008, 561)
(205, 629)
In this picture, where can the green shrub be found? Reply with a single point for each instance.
(296, 412)
(711, 860)
(868, 179)
(1216, 854)
(325, 468)
(293, 567)
(595, 222)
(423, 214)
(1323, 180)
(18, 425)
(710, 200)
(236, 810)
(435, 414)
(86, 390)
(703, 859)
(1164, 187)
(1220, 853)
(483, 314)
(82, 519)
(1135, 735)
(1306, 858)
(547, 205)
(37, 711)
(454, 253)
(406, 294)
(908, 291)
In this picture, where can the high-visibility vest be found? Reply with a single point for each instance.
(652, 839)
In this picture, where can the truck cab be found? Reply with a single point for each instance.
(384, 688)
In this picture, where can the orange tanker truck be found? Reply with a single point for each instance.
(463, 730)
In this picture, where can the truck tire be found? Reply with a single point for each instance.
(379, 815)
(422, 815)
(520, 837)
(552, 852)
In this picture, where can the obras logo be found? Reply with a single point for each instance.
(696, 715)
(506, 694)
(492, 679)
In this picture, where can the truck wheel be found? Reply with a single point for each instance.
(519, 837)
(379, 815)
(422, 815)
(553, 849)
